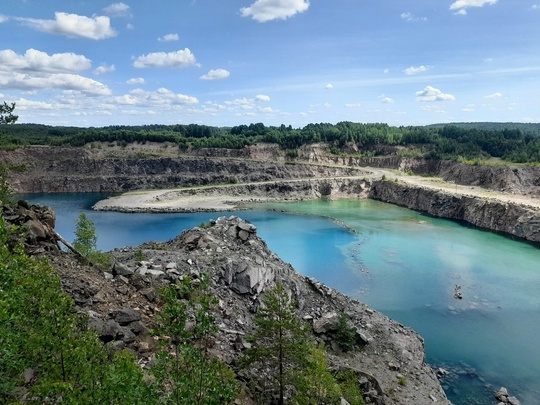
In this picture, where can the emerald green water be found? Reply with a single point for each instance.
(407, 265)
(400, 262)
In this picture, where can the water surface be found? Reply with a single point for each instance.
(400, 262)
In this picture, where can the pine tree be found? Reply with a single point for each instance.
(280, 345)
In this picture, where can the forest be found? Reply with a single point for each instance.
(473, 142)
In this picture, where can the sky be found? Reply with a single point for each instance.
(231, 62)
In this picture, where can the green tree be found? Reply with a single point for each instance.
(6, 193)
(85, 236)
(316, 385)
(46, 350)
(345, 334)
(6, 113)
(184, 371)
(280, 344)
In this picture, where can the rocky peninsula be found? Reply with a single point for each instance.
(121, 302)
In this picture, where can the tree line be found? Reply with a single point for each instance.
(512, 142)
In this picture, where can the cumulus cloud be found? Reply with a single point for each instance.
(169, 38)
(410, 17)
(494, 96)
(65, 81)
(414, 70)
(136, 80)
(117, 10)
(262, 97)
(181, 58)
(104, 69)
(73, 25)
(160, 98)
(430, 94)
(385, 100)
(329, 86)
(216, 74)
(37, 61)
(268, 10)
(36, 70)
(3, 18)
(463, 4)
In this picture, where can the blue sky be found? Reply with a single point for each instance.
(231, 62)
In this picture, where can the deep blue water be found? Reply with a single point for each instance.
(400, 262)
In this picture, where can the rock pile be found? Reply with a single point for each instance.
(503, 398)
(36, 221)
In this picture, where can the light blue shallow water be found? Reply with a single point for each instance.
(402, 263)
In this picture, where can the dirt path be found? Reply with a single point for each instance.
(199, 199)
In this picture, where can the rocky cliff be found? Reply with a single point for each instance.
(78, 170)
(511, 219)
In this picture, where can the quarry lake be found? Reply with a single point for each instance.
(401, 263)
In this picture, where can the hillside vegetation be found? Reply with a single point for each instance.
(514, 143)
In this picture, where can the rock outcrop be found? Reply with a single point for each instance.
(510, 219)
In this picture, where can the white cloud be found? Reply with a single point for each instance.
(180, 58)
(24, 104)
(430, 94)
(169, 38)
(118, 10)
(37, 61)
(73, 25)
(494, 96)
(216, 74)
(3, 18)
(353, 105)
(414, 70)
(461, 12)
(385, 100)
(136, 80)
(329, 86)
(160, 98)
(64, 81)
(533, 7)
(268, 10)
(410, 17)
(262, 97)
(104, 69)
(462, 4)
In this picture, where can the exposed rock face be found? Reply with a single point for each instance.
(77, 170)
(517, 220)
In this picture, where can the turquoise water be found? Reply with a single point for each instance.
(400, 262)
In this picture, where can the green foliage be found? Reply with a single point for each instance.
(350, 389)
(6, 192)
(185, 374)
(86, 242)
(85, 236)
(280, 344)
(513, 142)
(316, 385)
(6, 114)
(43, 339)
(139, 255)
(345, 334)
